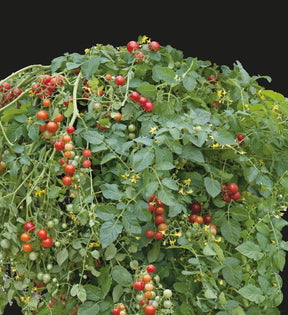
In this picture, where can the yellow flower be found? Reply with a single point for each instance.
(187, 181)
(144, 39)
(181, 192)
(153, 130)
(134, 178)
(172, 242)
(86, 51)
(179, 234)
(215, 145)
(137, 238)
(221, 93)
(189, 192)
(17, 277)
(272, 241)
(40, 192)
(31, 93)
(275, 284)
(218, 240)
(221, 282)
(126, 175)
(30, 120)
(275, 108)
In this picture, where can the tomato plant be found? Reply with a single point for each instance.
(114, 166)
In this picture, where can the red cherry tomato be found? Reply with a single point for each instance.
(42, 233)
(47, 242)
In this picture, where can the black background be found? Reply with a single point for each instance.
(223, 33)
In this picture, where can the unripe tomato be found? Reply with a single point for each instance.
(167, 293)
(213, 229)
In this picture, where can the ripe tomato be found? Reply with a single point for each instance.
(150, 310)
(132, 45)
(59, 145)
(42, 233)
(151, 198)
(149, 233)
(212, 79)
(159, 202)
(116, 311)
(70, 129)
(148, 106)
(134, 96)
(139, 285)
(29, 226)
(195, 207)
(42, 114)
(150, 268)
(159, 210)
(59, 118)
(159, 235)
(148, 294)
(147, 278)
(139, 56)
(66, 138)
(69, 169)
(86, 163)
(142, 100)
(47, 242)
(207, 218)
(27, 247)
(86, 153)
(52, 126)
(154, 46)
(162, 227)
(46, 102)
(232, 187)
(25, 237)
(117, 116)
(236, 195)
(150, 207)
(199, 219)
(108, 77)
(67, 180)
(192, 217)
(119, 80)
(68, 154)
(240, 137)
(159, 219)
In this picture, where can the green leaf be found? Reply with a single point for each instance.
(231, 230)
(110, 252)
(90, 66)
(192, 154)
(163, 74)
(200, 116)
(148, 90)
(212, 186)
(122, 276)
(154, 252)
(131, 223)
(232, 274)
(252, 293)
(111, 191)
(170, 183)
(88, 308)
(250, 250)
(223, 137)
(93, 137)
(54, 192)
(189, 82)
(109, 232)
(61, 256)
(142, 159)
(57, 63)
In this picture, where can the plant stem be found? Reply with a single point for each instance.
(75, 108)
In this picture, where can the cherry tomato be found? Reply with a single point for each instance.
(27, 247)
(116, 311)
(86, 163)
(59, 145)
(159, 219)
(86, 153)
(59, 118)
(159, 235)
(212, 79)
(69, 169)
(159, 202)
(42, 114)
(66, 138)
(236, 195)
(139, 56)
(132, 45)
(150, 268)
(29, 226)
(207, 218)
(117, 116)
(151, 198)
(47, 134)
(148, 106)
(149, 233)
(119, 80)
(139, 285)
(232, 187)
(134, 96)
(150, 310)
(52, 126)
(25, 237)
(142, 100)
(162, 227)
(147, 278)
(154, 46)
(213, 229)
(192, 218)
(150, 207)
(42, 233)
(199, 219)
(47, 242)
(70, 129)
(149, 286)
(196, 207)
(108, 77)
(159, 210)
(67, 180)
(46, 102)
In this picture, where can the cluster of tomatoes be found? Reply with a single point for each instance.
(29, 227)
(133, 46)
(142, 100)
(157, 207)
(230, 191)
(195, 217)
(46, 85)
(8, 93)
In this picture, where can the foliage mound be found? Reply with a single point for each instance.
(128, 157)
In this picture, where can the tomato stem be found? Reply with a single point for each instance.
(75, 108)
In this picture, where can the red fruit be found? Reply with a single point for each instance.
(116, 311)
(108, 77)
(42, 233)
(232, 187)
(150, 268)
(67, 180)
(159, 202)
(199, 219)
(159, 219)
(150, 310)
(159, 235)
(132, 45)
(240, 138)
(134, 96)
(142, 100)
(139, 285)
(226, 197)
(212, 78)
(70, 129)
(150, 207)
(59, 145)
(69, 169)
(52, 126)
(139, 56)
(86, 153)
(86, 163)
(148, 106)
(192, 218)
(195, 207)
(152, 197)
(159, 210)
(236, 195)
(42, 114)
(207, 218)
(29, 226)
(119, 80)
(149, 233)
(47, 242)
(154, 46)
